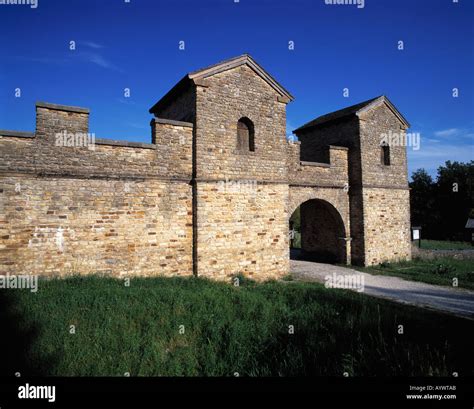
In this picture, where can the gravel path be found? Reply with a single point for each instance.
(452, 300)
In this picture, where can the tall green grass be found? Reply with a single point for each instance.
(227, 330)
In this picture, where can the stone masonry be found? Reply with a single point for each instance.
(194, 200)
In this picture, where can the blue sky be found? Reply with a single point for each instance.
(135, 45)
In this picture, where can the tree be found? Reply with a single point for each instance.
(422, 202)
(455, 197)
(441, 208)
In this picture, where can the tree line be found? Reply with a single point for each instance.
(442, 206)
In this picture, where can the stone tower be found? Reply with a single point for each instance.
(240, 186)
(378, 185)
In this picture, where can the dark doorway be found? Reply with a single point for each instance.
(317, 233)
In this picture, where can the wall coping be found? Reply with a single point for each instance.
(318, 164)
(341, 148)
(375, 186)
(126, 144)
(172, 122)
(17, 134)
(315, 185)
(68, 108)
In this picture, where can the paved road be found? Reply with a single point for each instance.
(452, 300)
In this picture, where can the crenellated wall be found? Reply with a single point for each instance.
(192, 201)
(112, 207)
(121, 208)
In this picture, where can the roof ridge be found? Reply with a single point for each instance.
(346, 111)
(237, 61)
(220, 67)
(228, 60)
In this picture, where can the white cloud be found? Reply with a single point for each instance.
(432, 155)
(99, 60)
(447, 132)
(91, 44)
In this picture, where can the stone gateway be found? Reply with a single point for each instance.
(213, 192)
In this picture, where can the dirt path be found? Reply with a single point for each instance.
(452, 300)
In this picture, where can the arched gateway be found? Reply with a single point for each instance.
(324, 223)
(212, 194)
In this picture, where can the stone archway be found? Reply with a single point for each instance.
(324, 219)
(322, 232)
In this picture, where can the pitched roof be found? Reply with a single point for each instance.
(236, 62)
(353, 110)
(225, 65)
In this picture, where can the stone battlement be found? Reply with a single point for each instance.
(213, 191)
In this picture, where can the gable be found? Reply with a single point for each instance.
(383, 101)
(237, 62)
(194, 78)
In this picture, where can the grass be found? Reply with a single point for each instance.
(227, 329)
(440, 271)
(297, 240)
(445, 245)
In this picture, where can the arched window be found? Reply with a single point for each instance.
(245, 135)
(385, 154)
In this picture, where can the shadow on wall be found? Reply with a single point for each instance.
(17, 340)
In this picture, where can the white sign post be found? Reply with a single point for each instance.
(416, 235)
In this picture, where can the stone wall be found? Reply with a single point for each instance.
(380, 218)
(39, 153)
(190, 201)
(373, 125)
(241, 197)
(242, 229)
(113, 207)
(181, 107)
(57, 226)
(385, 194)
(387, 225)
(333, 173)
(221, 102)
(344, 133)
